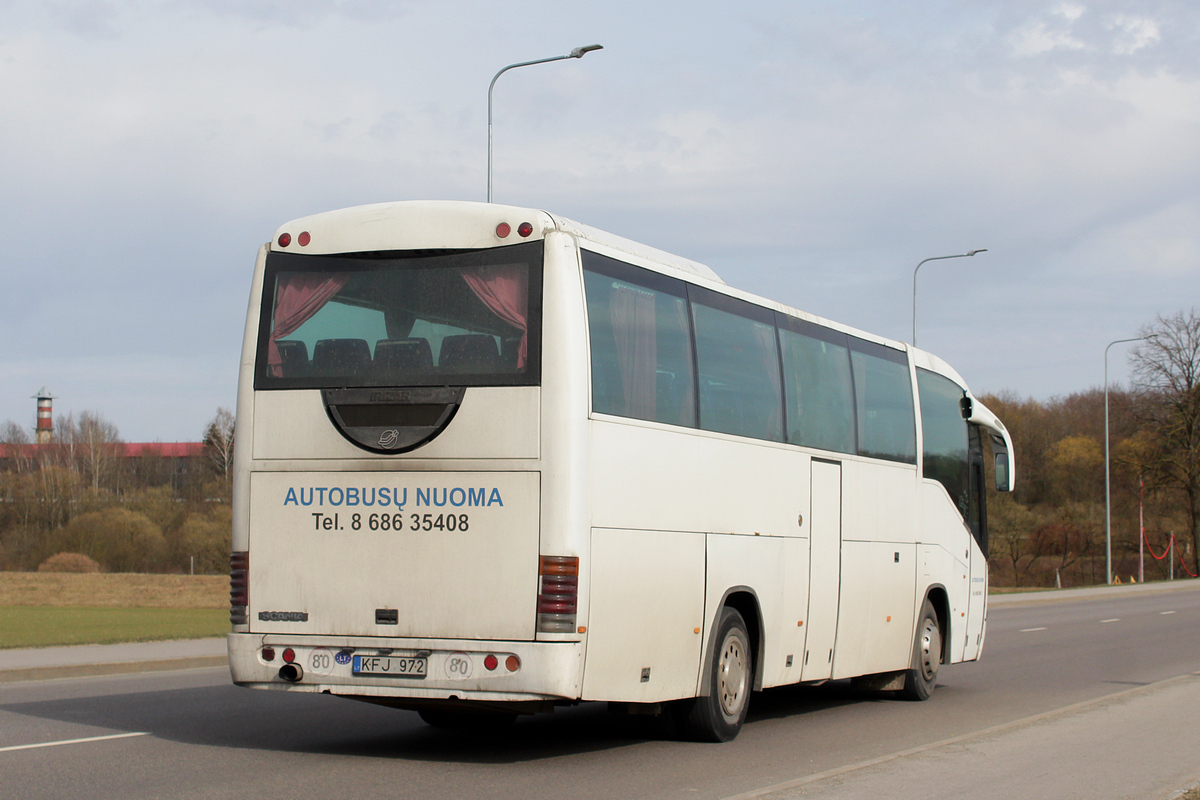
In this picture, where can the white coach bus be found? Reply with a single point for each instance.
(490, 461)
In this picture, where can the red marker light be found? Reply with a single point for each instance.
(491, 662)
(289, 655)
(503, 230)
(285, 239)
(303, 239)
(525, 229)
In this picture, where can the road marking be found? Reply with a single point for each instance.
(72, 741)
(1164, 613)
(1031, 630)
(1114, 619)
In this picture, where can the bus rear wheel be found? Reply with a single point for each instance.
(718, 716)
(921, 677)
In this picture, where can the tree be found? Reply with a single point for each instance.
(1166, 369)
(96, 446)
(218, 442)
(17, 445)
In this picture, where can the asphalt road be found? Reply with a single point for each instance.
(190, 734)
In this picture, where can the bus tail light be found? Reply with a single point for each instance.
(239, 587)
(558, 598)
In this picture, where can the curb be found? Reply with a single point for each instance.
(1091, 593)
(120, 668)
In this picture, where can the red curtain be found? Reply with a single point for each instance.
(504, 289)
(297, 298)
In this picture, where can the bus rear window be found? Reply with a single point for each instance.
(398, 319)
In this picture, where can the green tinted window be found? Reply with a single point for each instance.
(944, 435)
(884, 400)
(820, 398)
(738, 364)
(640, 345)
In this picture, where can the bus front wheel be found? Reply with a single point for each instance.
(920, 679)
(718, 716)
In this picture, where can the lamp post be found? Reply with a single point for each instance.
(1107, 492)
(935, 258)
(578, 52)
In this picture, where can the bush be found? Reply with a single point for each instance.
(208, 539)
(120, 539)
(68, 562)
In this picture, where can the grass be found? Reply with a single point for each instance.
(40, 609)
(39, 626)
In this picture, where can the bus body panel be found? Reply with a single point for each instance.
(645, 475)
(760, 563)
(946, 553)
(976, 627)
(875, 621)
(646, 615)
(474, 535)
(564, 425)
(878, 568)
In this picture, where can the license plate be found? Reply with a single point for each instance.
(391, 666)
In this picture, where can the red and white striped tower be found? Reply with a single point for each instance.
(44, 433)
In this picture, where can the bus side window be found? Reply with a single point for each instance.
(883, 395)
(944, 432)
(738, 361)
(816, 377)
(641, 352)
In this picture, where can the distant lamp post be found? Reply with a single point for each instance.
(1107, 492)
(578, 52)
(935, 258)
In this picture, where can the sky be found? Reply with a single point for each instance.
(810, 152)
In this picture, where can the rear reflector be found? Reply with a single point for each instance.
(558, 595)
(239, 587)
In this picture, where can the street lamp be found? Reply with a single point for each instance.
(1107, 493)
(578, 52)
(935, 258)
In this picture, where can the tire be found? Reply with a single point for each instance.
(466, 720)
(921, 677)
(718, 716)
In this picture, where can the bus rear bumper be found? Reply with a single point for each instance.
(452, 669)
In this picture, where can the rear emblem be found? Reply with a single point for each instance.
(388, 438)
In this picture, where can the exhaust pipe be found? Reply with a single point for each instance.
(292, 673)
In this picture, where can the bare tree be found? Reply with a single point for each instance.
(1167, 377)
(18, 446)
(97, 447)
(218, 442)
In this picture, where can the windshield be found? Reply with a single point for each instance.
(401, 319)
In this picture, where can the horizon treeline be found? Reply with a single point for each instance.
(151, 512)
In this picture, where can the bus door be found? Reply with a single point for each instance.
(977, 522)
(824, 570)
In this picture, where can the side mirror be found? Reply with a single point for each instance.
(1002, 481)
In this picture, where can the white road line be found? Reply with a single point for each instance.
(72, 741)
(1164, 613)
(1115, 619)
(1031, 630)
